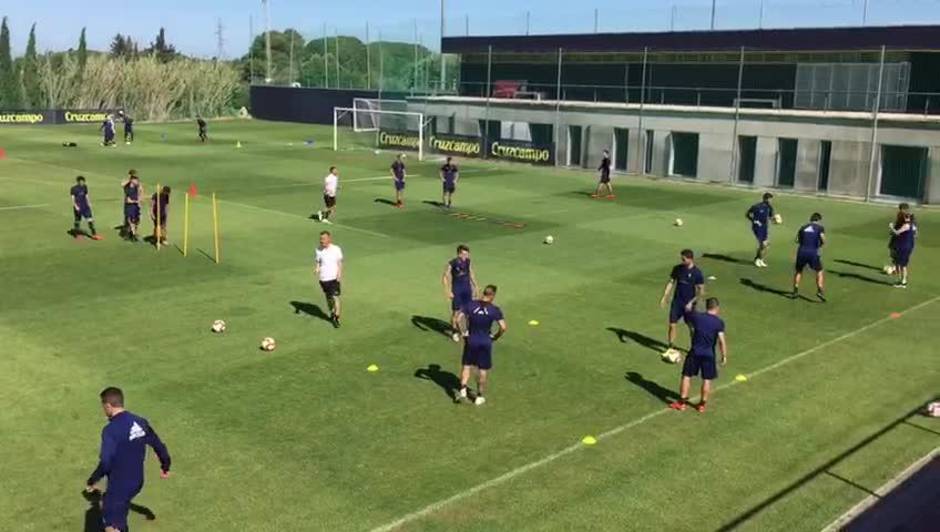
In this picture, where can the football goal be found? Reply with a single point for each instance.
(388, 130)
(364, 117)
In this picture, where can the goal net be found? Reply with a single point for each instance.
(365, 118)
(388, 130)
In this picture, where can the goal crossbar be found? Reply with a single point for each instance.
(339, 112)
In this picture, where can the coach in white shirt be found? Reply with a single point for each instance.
(330, 184)
(329, 268)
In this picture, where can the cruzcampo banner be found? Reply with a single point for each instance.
(399, 140)
(521, 151)
(459, 145)
(54, 117)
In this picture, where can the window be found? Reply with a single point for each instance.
(683, 156)
(747, 158)
(621, 148)
(825, 157)
(786, 162)
(903, 171)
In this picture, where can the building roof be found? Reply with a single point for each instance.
(801, 39)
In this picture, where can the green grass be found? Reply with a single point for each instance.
(305, 439)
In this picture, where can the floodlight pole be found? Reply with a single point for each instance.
(737, 116)
(368, 59)
(251, 51)
(443, 62)
(872, 163)
(326, 59)
(713, 15)
(640, 149)
(267, 38)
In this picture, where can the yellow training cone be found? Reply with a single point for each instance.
(372, 368)
(533, 322)
(741, 378)
(589, 440)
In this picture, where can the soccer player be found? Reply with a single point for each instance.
(160, 205)
(330, 187)
(203, 136)
(604, 183)
(449, 177)
(108, 128)
(132, 191)
(460, 286)
(479, 317)
(128, 127)
(81, 205)
(398, 177)
(811, 238)
(329, 270)
(124, 442)
(689, 284)
(707, 330)
(903, 231)
(760, 215)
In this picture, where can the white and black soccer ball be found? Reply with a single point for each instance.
(268, 344)
(671, 356)
(778, 219)
(218, 326)
(549, 240)
(678, 222)
(889, 269)
(933, 409)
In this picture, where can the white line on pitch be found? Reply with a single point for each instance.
(341, 182)
(302, 217)
(17, 207)
(509, 475)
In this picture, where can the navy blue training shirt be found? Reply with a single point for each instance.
(480, 319)
(124, 442)
(686, 280)
(810, 238)
(705, 330)
(761, 212)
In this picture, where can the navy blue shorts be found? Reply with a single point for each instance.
(83, 211)
(760, 232)
(461, 299)
(677, 311)
(478, 352)
(902, 256)
(605, 178)
(114, 509)
(153, 216)
(699, 365)
(450, 188)
(399, 184)
(813, 260)
(132, 213)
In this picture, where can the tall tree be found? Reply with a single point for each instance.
(82, 53)
(163, 51)
(32, 91)
(121, 46)
(9, 76)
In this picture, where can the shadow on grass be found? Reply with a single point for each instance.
(859, 277)
(301, 307)
(723, 258)
(858, 264)
(626, 336)
(433, 203)
(426, 323)
(770, 290)
(93, 518)
(663, 394)
(384, 201)
(447, 381)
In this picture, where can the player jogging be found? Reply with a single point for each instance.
(689, 284)
(479, 317)
(132, 191)
(107, 127)
(329, 270)
(128, 127)
(811, 238)
(124, 442)
(201, 123)
(330, 186)
(760, 216)
(604, 182)
(398, 177)
(449, 177)
(81, 206)
(160, 204)
(707, 330)
(903, 232)
(460, 286)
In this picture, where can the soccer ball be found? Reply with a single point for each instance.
(933, 409)
(549, 240)
(268, 344)
(218, 326)
(678, 222)
(377, 152)
(778, 219)
(671, 356)
(889, 269)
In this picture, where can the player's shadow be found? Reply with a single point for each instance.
(301, 307)
(93, 520)
(723, 258)
(859, 277)
(663, 394)
(385, 201)
(426, 323)
(445, 379)
(626, 336)
(433, 203)
(769, 290)
(858, 264)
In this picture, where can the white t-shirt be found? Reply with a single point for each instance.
(330, 183)
(329, 259)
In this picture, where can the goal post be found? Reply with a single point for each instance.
(394, 130)
(363, 117)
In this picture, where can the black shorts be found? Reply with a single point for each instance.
(699, 365)
(329, 201)
(331, 288)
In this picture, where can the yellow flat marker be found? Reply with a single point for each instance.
(589, 440)
(741, 377)
(534, 323)
(372, 368)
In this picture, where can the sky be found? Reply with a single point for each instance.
(191, 25)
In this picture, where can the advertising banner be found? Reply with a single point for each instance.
(521, 152)
(458, 145)
(54, 116)
(399, 140)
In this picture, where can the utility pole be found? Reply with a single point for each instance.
(291, 60)
(267, 38)
(713, 14)
(220, 40)
(443, 84)
(251, 50)
(368, 59)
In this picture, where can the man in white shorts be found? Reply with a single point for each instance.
(329, 269)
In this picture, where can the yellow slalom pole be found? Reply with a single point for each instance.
(215, 227)
(156, 223)
(186, 226)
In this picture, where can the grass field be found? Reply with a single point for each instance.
(305, 438)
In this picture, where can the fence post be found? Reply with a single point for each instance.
(737, 116)
(874, 125)
(558, 108)
(641, 169)
(489, 94)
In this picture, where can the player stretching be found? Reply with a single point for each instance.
(811, 238)
(330, 186)
(760, 215)
(132, 191)
(160, 207)
(604, 183)
(329, 270)
(81, 205)
(203, 136)
(689, 284)
(903, 232)
(124, 442)
(479, 317)
(449, 177)
(108, 128)
(707, 330)
(398, 177)
(460, 286)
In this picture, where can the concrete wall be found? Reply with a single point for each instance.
(848, 171)
(807, 165)
(933, 176)
(599, 138)
(765, 165)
